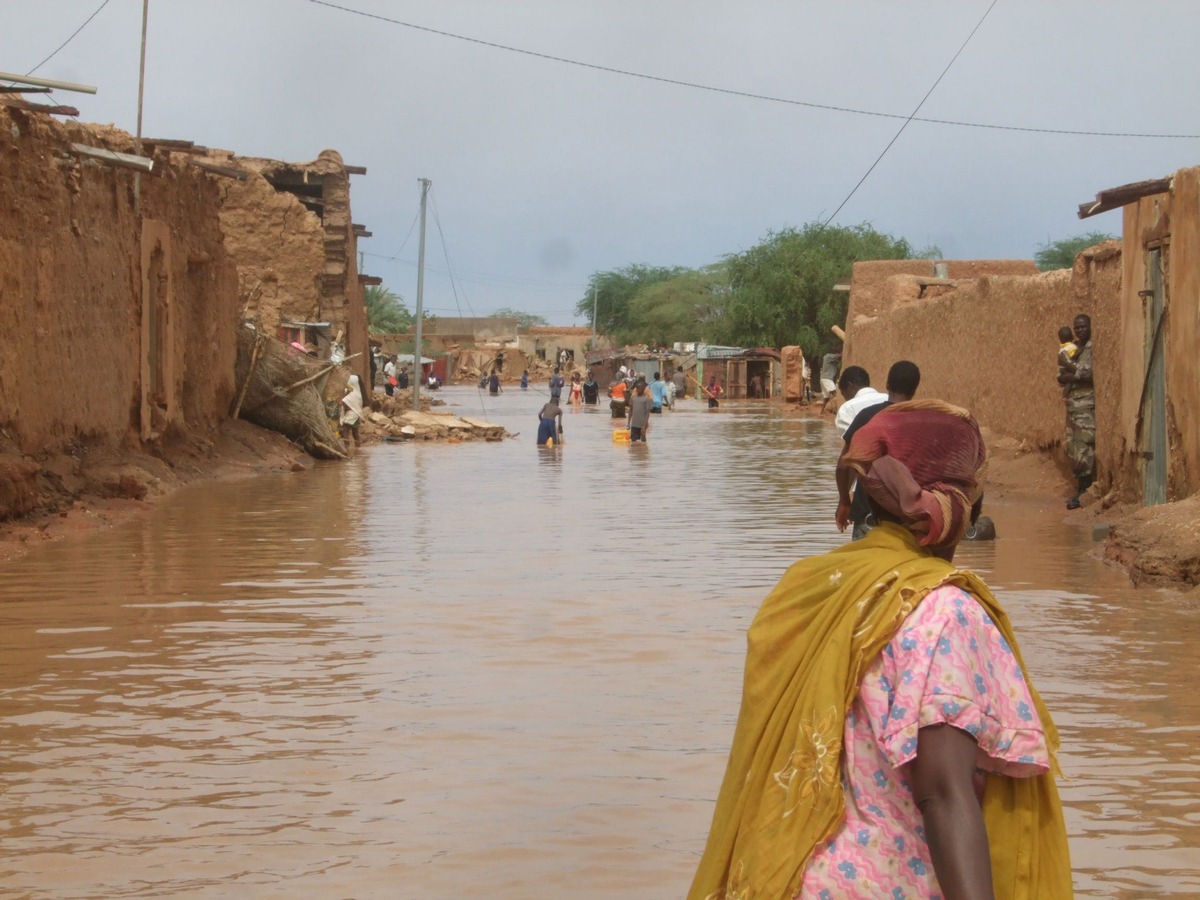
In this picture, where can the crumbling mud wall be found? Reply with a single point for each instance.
(872, 292)
(71, 277)
(114, 333)
(986, 343)
(288, 227)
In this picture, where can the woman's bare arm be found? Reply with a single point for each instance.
(942, 779)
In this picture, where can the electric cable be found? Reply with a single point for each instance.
(612, 70)
(450, 269)
(896, 136)
(71, 38)
(396, 256)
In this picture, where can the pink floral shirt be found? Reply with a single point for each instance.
(948, 663)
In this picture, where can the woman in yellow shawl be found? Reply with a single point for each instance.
(889, 742)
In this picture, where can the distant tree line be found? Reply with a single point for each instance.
(777, 293)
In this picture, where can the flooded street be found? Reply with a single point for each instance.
(493, 670)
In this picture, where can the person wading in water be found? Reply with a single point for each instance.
(890, 741)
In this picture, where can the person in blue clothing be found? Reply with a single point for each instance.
(525, 380)
(549, 423)
(556, 385)
(658, 393)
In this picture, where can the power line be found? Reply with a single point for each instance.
(896, 136)
(746, 94)
(71, 38)
(446, 255)
(395, 256)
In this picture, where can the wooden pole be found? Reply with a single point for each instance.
(420, 297)
(137, 140)
(254, 354)
(702, 387)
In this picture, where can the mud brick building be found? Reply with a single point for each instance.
(289, 230)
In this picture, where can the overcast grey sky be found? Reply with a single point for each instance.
(545, 172)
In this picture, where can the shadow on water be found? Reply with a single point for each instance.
(437, 667)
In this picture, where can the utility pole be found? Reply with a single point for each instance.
(137, 141)
(593, 317)
(420, 297)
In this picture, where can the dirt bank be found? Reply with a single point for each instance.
(85, 488)
(1158, 545)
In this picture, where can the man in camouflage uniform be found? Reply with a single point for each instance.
(1076, 376)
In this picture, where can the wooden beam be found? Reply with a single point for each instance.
(360, 230)
(173, 146)
(218, 170)
(170, 143)
(1114, 198)
(18, 103)
(370, 279)
(19, 89)
(356, 170)
(46, 82)
(112, 157)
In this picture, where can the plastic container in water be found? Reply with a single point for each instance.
(620, 435)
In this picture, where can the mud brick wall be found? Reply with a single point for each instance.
(71, 368)
(986, 343)
(1171, 223)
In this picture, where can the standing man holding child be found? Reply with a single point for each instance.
(1075, 375)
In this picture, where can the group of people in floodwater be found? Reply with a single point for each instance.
(630, 397)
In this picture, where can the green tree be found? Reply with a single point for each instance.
(677, 309)
(1061, 254)
(386, 312)
(524, 319)
(614, 292)
(781, 291)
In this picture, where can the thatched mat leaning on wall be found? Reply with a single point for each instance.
(280, 389)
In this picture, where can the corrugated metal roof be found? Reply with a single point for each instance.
(711, 351)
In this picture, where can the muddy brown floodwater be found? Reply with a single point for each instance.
(492, 670)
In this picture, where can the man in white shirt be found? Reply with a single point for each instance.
(389, 372)
(855, 386)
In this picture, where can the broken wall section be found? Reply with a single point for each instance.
(288, 227)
